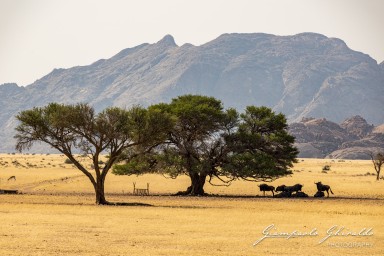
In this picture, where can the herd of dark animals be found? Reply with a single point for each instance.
(295, 190)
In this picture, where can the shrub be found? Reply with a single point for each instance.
(68, 161)
(326, 168)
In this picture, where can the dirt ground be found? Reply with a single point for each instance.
(55, 213)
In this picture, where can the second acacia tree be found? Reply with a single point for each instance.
(208, 143)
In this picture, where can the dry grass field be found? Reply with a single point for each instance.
(56, 215)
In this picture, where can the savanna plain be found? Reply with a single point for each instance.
(54, 213)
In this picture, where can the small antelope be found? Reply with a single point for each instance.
(12, 178)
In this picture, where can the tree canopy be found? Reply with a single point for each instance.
(261, 148)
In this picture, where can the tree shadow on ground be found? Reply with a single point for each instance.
(130, 204)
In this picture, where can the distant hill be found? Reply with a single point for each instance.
(305, 75)
(354, 138)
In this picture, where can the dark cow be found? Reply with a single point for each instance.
(264, 187)
(321, 187)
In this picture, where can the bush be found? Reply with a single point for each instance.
(68, 161)
(326, 168)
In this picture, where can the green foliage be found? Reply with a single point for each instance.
(134, 166)
(198, 120)
(261, 148)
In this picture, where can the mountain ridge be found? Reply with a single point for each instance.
(304, 75)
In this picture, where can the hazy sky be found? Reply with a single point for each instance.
(37, 36)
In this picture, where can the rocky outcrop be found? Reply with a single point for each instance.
(357, 126)
(354, 138)
(378, 129)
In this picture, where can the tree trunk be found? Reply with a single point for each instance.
(198, 182)
(197, 185)
(99, 190)
(378, 175)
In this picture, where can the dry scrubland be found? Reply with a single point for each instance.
(56, 214)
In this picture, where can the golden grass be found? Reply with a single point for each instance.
(56, 214)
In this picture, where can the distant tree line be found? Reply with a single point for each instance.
(192, 135)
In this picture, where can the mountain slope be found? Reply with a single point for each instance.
(305, 75)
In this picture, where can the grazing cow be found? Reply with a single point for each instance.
(321, 187)
(264, 187)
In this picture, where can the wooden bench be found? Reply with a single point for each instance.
(140, 191)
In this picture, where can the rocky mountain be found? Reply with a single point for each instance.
(354, 138)
(304, 75)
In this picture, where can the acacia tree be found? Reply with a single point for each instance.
(208, 142)
(198, 119)
(77, 129)
(378, 161)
